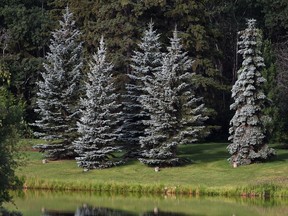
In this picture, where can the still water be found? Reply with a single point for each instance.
(48, 203)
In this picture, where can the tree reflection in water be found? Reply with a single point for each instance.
(86, 210)
(89, 210)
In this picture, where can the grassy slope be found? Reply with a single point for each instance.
(210, 173)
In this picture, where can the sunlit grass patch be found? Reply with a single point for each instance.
(209, 173)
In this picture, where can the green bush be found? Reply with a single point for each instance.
(10, 121)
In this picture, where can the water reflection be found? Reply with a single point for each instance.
(157, 212)
(99, 211)
(88, 211)
(49, 203)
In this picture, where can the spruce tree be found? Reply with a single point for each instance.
(100, 116)
(191, 112)
(158, 145)
(175, 114)
(145, 63)
(59, 91)
(247, 132)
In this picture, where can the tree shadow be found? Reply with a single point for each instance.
(279, 157)
(204, 152)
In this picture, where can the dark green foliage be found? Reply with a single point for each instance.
(281, 52)
(27, 27)
(11, 113)
(275, 18)
(274, 123)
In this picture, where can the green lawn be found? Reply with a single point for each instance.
(210, 173)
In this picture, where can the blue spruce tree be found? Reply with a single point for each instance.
(191, 112)
(59, 91)
(247, 131)
(176, 114)
(145, 62)
(99, 125)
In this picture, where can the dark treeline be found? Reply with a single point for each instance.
(208, 29)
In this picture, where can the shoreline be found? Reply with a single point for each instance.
(250, 191)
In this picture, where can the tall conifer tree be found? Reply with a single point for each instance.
(59, 91)
(176, 117)
(191, 112)
(158, 144)
(99, 124)
(247, 132)
(145, 62)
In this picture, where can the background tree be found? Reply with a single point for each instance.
(11, 119)
(282, 87)
(27, 25)
(274, 121)
(145, 62)
(247, 131)
(100, 116)
(273, 18)
(59, 91)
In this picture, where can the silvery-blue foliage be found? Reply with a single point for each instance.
(176, 117)
(58, 95)
(99, 123)
(247, 132)
(145, 62)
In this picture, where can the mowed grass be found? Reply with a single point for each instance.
(209, 173)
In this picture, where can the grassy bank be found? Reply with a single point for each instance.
(209, 174)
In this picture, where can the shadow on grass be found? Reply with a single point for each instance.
(212, 152)
(280, 157)
(130, 162)
(204, 152)
(281, 153)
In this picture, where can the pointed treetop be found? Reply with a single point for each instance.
(101, 49)
(175, 41)
(251, 23)
(151, 25)
(67, 18)
(148, 34)
(250, 40)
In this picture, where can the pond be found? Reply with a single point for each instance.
(49, 203)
